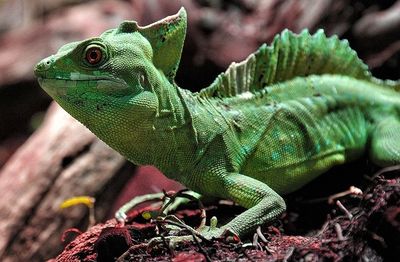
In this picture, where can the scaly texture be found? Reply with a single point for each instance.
(265, 127)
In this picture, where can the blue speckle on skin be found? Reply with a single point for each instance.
(288, 149)
(245, 150)
(275, 133)
(317, 148)
(275, 156)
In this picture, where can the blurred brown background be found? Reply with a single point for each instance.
(54, 157)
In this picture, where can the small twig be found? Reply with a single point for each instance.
(181, 224)
(243, 251)
(124, 257)
(324, 227)
(339, 232)
(342, 207)
(269, 250)
(164, 240)
(121, 214)
(182, 193)
(351, 191)
(326, 241)
(92, 217)
(203, 216)
(255, 242)
(385, 170)
(170, 250)
(202, 250)
(261, 235)
(380, 239)
(288, 254)
(170, 196)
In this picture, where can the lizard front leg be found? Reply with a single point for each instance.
(263, 203)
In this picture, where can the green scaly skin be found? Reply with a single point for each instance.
(265, 127)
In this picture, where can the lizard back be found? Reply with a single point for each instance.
(300, 106)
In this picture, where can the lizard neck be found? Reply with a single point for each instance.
(173, 137)
(142, 127)
(164, 139)
(170, 110)
(157, 141)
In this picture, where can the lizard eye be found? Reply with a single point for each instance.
(94, 55)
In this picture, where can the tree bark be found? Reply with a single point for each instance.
(61, 160)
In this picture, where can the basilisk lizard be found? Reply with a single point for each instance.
(265, 127)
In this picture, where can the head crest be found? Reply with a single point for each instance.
(166, 38)
(128, 27)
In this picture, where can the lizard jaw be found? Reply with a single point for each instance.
(57, 87)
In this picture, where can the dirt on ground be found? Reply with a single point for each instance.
(354, 228)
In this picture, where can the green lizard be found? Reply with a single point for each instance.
(265, 127)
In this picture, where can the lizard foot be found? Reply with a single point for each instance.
(175, 229)
(203, 233)
(170, 202)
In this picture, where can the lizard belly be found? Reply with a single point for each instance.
(299, 144)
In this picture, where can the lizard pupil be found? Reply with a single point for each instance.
(93, 55)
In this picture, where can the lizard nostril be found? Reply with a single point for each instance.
(48, 61)
(43, 66)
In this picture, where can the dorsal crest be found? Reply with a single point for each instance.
(289, 56)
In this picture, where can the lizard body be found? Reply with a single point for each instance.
(265, 127)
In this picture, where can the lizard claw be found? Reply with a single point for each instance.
(203, 233)
(212, 231)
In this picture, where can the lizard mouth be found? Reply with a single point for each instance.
(58, 86)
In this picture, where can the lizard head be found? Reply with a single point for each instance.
(119, 69)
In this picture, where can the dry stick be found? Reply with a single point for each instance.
(351, 191)
(122, 258)
(324, 227)
(348, 214)
(288, 254)
(243, 251)
(202, 250)
(164, 241)
(385, 170)
(378, 238)
(183, 225)
(171, 196)
(255, 243)
(194, 234)
(182, 193)
(261, 235)
(339, 232)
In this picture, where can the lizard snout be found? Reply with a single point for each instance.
(43, 66)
